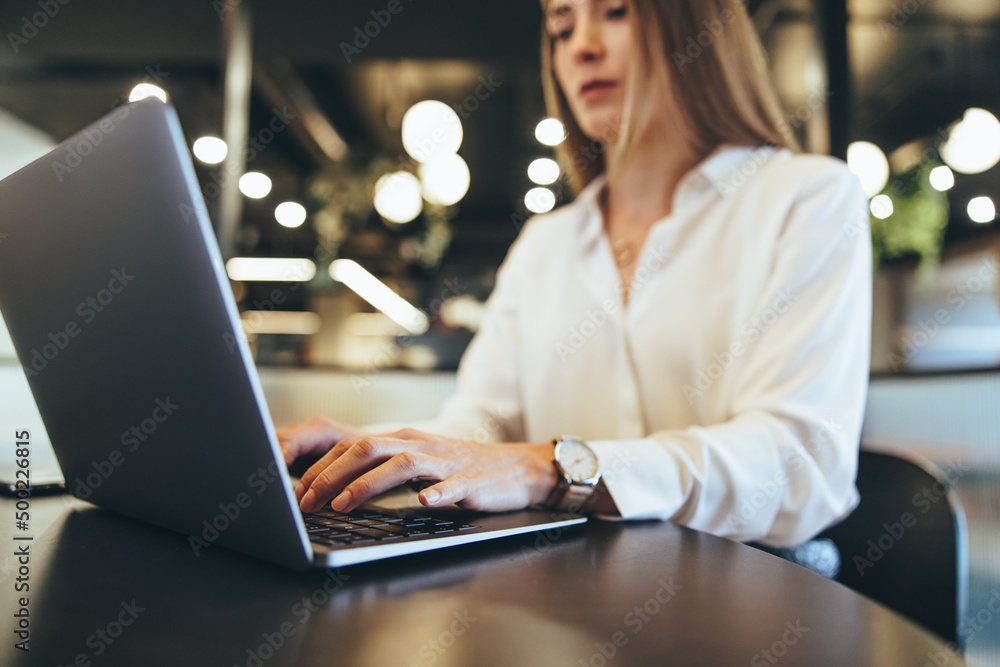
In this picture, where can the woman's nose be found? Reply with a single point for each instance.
(586, 42)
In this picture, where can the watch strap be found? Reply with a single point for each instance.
(567, 494)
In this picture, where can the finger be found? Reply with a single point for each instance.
(306, 480)
(335, 453)
(289, 447)
(315, 436)
(432, 444)
(332, 473)
(399, 469)
(316, 469)
(451, 490)
(367, 447)
(287, 453)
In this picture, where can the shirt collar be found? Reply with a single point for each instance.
(724, 170)
(587, 199)
(731, 166)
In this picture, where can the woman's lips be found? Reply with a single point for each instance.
(596, 88)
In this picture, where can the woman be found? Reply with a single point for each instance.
(699, 316)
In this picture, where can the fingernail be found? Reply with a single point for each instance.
(306, 505)
(432, 495)
(342, 501)
(299, 490)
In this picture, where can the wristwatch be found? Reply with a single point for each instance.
(578, 472)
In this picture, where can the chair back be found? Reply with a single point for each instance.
(906, 544)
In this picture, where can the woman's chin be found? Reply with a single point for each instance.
(598, 126)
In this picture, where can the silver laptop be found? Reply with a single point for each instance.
(120, 310)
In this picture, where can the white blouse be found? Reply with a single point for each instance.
(727, 394)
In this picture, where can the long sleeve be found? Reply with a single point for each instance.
(782, 467)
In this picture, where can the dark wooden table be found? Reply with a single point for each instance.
(109, 590)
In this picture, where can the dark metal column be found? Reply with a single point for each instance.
(833, 21)
(238, 66)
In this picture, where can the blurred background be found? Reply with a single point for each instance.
(366, 166)
(314, 98)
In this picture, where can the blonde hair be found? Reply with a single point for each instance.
(706, 56)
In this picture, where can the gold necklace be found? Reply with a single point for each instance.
(623, 251)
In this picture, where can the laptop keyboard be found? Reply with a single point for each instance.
(332, 528)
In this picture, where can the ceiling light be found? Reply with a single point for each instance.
(973, 144)
(397, 197)
(275, 269)
(210, 150)
(431, 130)
(982, 210)
(870, 165)
(445, 180)
(543, 171)
(144, 90)
(550, 132)
(881, 207)
(942, 178)
(378, 294)
(255, 185)
(290, 214)
(539, 200)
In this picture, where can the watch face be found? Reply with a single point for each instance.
(578, 460)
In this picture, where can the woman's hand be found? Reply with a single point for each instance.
(480, 476)
(313, 437)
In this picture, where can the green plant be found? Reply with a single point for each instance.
(918, 220)
(343, 194)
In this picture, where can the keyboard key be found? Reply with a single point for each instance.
(376, 533)
(342, 526)
(401, 531)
